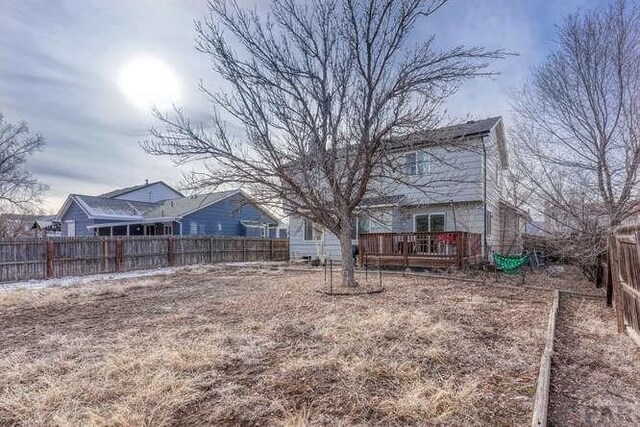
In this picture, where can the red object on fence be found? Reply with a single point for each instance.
(170, 251)
(448, 238)
(118, 255)
(51, 253)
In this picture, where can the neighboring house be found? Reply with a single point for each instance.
(158, 209)
(535, 228)
(27, 225)
(469, 195)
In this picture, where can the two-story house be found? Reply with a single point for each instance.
(457, 185)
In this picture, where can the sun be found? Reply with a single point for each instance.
(149, 82)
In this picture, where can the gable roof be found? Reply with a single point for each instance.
(127, 210)
(180, 207)
(125, 190)
(101, 207)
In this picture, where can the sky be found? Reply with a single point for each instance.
(71, 68)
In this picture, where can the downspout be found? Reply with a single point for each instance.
(484, 201)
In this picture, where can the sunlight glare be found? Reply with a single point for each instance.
(148, 82)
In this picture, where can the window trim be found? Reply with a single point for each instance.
(425, 171)
(429, 214)
(313, 231)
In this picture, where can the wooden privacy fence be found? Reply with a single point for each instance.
(624, 271)
(25, 259)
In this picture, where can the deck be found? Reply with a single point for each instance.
(440, 249)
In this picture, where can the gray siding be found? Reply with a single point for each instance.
(153, 193)
(454, 174)
(458, 217)
(468, 217)
(494, 192)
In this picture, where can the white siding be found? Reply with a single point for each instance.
(301, 248)
(152, 193)
(468, 217)
(494, 192)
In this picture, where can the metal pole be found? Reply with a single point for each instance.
(380, 273)
(331, 276)
(366, 270)
(325, 273)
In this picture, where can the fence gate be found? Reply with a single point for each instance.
(624, 267)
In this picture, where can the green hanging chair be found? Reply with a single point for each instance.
(510, 264)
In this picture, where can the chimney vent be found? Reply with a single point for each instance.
(146, 182)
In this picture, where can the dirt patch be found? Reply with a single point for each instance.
(252, 346)
(595, 377)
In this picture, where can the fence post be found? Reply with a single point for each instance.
(51, 252)
(118, 255)
(211, 250)
(615, 282)
(244, 249)
(170, 252)
(270, 250)
(105, 256)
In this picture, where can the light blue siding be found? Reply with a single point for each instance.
(151, 193)
(75, 213)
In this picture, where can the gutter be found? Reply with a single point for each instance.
(484, 200)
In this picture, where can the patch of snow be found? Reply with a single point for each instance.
(254, 264)
(83, 280)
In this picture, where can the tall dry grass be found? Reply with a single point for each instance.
(226, 347)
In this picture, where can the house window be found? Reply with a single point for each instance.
(488, 223)
(196, 228)
(416, 163)
(364, 224)
(354, 228)
(429, 222)
(312, 231)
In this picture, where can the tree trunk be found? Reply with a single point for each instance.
(348, 265)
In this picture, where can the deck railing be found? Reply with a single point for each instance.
(425, 249)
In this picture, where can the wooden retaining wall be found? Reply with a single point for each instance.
(27, 259)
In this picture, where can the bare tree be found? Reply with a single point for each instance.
(318, 92)
(18, 188)
(578, 127)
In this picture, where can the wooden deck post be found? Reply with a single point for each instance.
(51, 253)
(405, 250)
(459, 249)
(615, 282)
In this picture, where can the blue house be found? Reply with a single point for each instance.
(157, 209)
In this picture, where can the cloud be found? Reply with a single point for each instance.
(59, 63)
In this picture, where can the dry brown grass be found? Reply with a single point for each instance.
(220, 346)
(595, 377)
